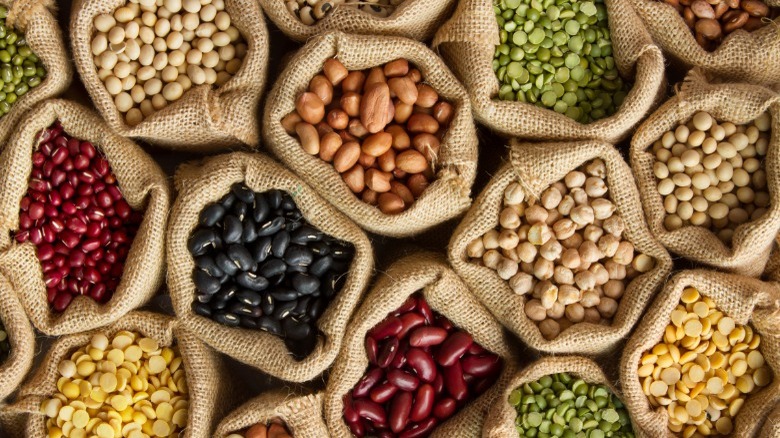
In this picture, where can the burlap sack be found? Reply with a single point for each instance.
(742, 57)
(205, 119)
(737, 103)
(771, 427)
(446, 294)
(415, 19)
(444, 199)
(537, 166)
(301, 414)
(37, 19)
(200, 184)
(772, 270)
(468, 42)
(500, 421)
(21, 337)
(209, 391)
(143, 185)
(746, 300)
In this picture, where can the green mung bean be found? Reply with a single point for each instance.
(20, 69)
(561, 405)
(553, 45)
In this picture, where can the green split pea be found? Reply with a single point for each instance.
(558, 54)
(20, 69)
(560, 405)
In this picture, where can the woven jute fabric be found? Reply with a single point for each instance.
(468, 40)
(771, 427)
(302, 414)
(21, 337)
(37, 19)
(415, 19)
(143, 185)
(456, 163)
(736, 103)
(745, 299)
(199, 184)
(447, 295)
(209, 394)
(742, 56)
(537, 166)
(772, 270)
(205, 119)
(500, 421)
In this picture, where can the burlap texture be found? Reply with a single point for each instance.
(771, 427)
(200, 184)
(772, 270)
(500, 421)
(446, 294)
(302, 414)
(143, 185)
(415, 19)
(742, 57)
(209, 393)
(205, 119)
(456, 165)
(37, 19)
(746, 300)
(737, 103)
(536, 166)
(467, 42)
(21, 337)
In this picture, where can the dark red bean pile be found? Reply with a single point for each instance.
(261, 265)
(422, 371)
(76, 216)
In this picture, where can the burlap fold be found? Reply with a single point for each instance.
(444, 199)
(737, 103)
(746, 300)
(210, 394)
(467, 42)
(144, 187)
(302, 414)
(37, 19)
(206, 182)
(21, 337)
(205, 119)
(536, 166)
(742, 57)
(446, 294)
(771, 427)
(415, 19)
(772, 270)
(500, 421)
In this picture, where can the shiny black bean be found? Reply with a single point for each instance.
(272, 268)
(211, 215)
(274, 198)
(280, 244)
(243, 309)
(249, 234)
(261, 208)
(262, 249)
(328, 284)
(303, 304)
(267, 305)
(288, 204)
(298, 255)
(293, 224)
(305, 234)
(316, 308)
(282, 294)
(203, 298)
(320, 266)
(270, 227)
(202, 241)
(226, 265)
(232, 229)
(270, 325)
(295, 330)
(201, 309)
(252, 281)
(241, 256)
(208, 264)
(205, 283)
(342, 253)
(228, 200)
(226, 318)
(305, 284)
(226, 293)
(218, 304)
(320, 248)
(283, 310)
(297, 268)
(243, 193)
(249, 297)
(240, 209)
(248, 322)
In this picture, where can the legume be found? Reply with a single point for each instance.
(704, 367)
(261, 265)
(20, 69)
(422, 370)
(563, 405)
(127, 386)
(75, 215)
(711, 174)
(309, 12)
(566, 250)
(557, 54)
(5, 344)
(274, 430)
(148, 54)
(384, 142)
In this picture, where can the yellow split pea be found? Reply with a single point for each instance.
(704, 368)
(128, 386)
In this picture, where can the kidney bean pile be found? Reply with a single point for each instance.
(260, 265)
(422, 371)
(76, 216)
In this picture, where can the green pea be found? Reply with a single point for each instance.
(11, 97)
(536, 36)
(519, 37)
(572, 27)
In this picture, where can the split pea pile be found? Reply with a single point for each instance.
(566, 250)
(148, 53)
(711, 174)
(704, 368)
(20, 69)
(311, 11)
(127, 386)
(563, 405)
(274, 430)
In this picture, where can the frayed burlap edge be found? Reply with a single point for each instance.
(143, 185)
(537, 166)
(445, 198)
(199, 185)
(301, 414)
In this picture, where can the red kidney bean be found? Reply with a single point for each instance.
(438, 384)
(383, 393)
(480, 366)
(370, 410)
(408, 305)
(385, 329)
(424, 428)
(357, 428)
(445, 324)
(427, 336)
(422, 363)
(403, 380)
(400, 408)
(367, 382)
(371, 350)
(453, 348)
(387, 353)
(350, 414)
(476, 349)
(425, 310)
(409, 322)
(454, 382)
(444, 408)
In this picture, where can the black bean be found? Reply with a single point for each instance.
(249, 234)
(248, 322)
(227, 265)
(320, 266)
(243, 193)
(261, 208)
(270, 325)
(298, 255)
(305, 234)
(203, 298)
(274, 198)
(272, 268)
(342, 253)
(316, 308)
(294, 329)
(291, 269)
(303, 304)
(232, 229)
(240, 209)
(280, 244)
(217, 304)
(242, 309)
(201, 309)
(228, 200)
(281, 294)
(205, 283)
(201, 241)
(207, 263)
(252, 281)
(211, 215)
(283, 310)
(293, 225)
(241, 256)
(288, 204)
(328, 284)
(305, 284)
(249, 297)
(262, 249)
(320, 248)
(226, 293)
(226, 318)
(270, 227)
(267, 305)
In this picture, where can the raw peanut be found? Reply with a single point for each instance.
(377, 180)
(720, 9)
(310, 107)
(323, 128)
(373, 107)
(353, 82)
(357, 129)
(417, 184)
(354, 178)
(401, 140)
(390, 203)
(734, 20)
(310, 140)
(753, 23)
(404, 89)
(427, 144)
(415, 75)
(422, 123)
(426, 96)
(366, 160)
(370, 197)
(402, 191)
(375, 76)
(443, 112)
(411, 161)
(350, 103)
(702, 9)
(289, 121)
(708, 28)
(322, 87)
(377, 144)
(335, 71)
(755, 8)
(399, 67)
(402, 112)
(329, 145)
(386, 161)
(346, 157)
(338, 119)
